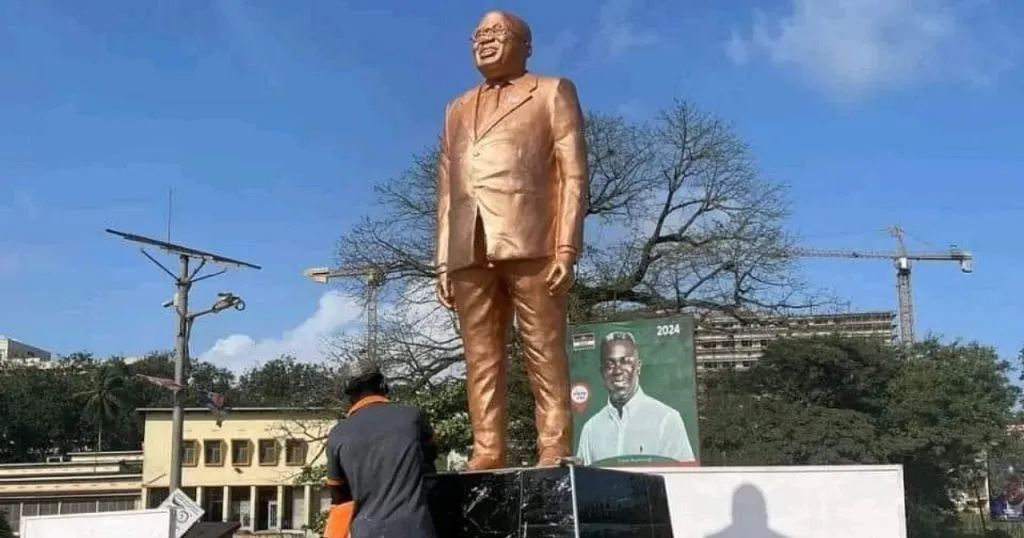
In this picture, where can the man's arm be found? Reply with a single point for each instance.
(337, 482)
(443, 198)
(571, 156)
(674, 441)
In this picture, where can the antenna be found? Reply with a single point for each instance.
(183, 282)
(170, 208)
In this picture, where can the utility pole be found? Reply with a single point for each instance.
(902, 259)
(183, 281)
(182, 288)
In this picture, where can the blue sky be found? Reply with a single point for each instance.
(272, 121)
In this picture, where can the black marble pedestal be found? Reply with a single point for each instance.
(555, 502)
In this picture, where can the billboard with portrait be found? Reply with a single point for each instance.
(634, 392)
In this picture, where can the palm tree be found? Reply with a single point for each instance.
(104, 398)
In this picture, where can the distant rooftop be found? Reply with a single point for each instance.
(240, 410)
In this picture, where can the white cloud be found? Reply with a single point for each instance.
(425, 326)
(856, 47)
(551, 56)
(616, 32)
(334, 314)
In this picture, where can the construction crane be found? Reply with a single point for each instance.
(902, 259)
(374, 280)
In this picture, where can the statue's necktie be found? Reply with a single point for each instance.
(492, 100)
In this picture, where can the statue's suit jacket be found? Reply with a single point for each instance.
(522, 171)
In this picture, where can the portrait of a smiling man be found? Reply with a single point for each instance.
(631, 423)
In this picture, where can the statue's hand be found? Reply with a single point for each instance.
(444, 291)
(560, 275)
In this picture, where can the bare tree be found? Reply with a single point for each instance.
(680, 219)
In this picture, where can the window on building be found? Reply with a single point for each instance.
(295, 452)
(268, 451)
(213, 452)
(189, 453)
(41, 508)
(78, 507)
(240, 453)
(116, 505)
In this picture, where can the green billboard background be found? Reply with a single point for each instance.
(667, 374)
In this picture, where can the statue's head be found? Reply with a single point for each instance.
(501, 45)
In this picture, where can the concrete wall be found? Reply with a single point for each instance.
(855, 501)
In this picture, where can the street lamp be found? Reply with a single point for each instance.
(183, 281)
(225, 300)
(374, 280)
(319, 275)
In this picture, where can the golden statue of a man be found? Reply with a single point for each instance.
(511, 196)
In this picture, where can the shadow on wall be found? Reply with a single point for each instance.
(749, 516)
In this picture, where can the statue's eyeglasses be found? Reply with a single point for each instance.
(495, 33)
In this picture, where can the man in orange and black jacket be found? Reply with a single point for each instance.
(376, 461)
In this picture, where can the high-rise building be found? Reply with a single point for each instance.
(724, 341)
(13, 349)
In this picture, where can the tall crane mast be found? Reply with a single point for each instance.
(374, 280)
(902, 259)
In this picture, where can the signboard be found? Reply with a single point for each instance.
(1006, 481)
(634, 392)
(186, 511)
(158, 523)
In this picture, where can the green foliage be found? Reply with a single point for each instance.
(444, 403)
(317, 523)
(5, 528)
(87, 404)
(104, 395)
(311, 474)
(285, 381)
(830, 400)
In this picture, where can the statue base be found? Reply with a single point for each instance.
(551, 502)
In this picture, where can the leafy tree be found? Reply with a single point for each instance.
(286, 382)
(40, 416)
(831, 400)
(947, 405)
(104, 398)
(5, 528)
(445, 406)
(205, 376)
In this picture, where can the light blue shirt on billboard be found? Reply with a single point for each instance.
(646, 427)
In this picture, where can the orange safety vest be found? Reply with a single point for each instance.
(339, 519)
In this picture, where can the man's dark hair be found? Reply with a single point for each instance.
(365, 379)
(619, 337)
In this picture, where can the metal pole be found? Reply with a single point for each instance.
(180, 359)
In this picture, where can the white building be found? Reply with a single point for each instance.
(11, 349)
